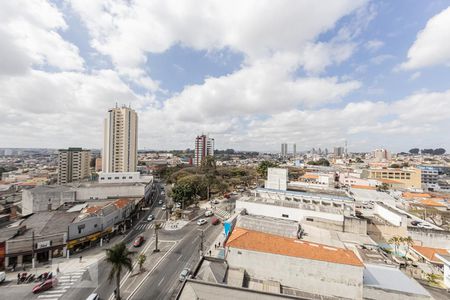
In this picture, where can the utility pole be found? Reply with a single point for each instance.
(156, 237)
(32, 250)
(201, 242)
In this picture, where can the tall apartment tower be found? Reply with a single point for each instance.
(204, 146)
(73, 164)
(294, 150)
(120, 140)
(284, 149)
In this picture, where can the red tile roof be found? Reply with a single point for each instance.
(430, 253)
(268, 243)
(122, 202)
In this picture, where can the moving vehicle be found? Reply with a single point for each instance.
(160, 202)
(164, 207)
(138, 241)
(150, 218)
(215, 221)
(46, 285)
(93, 296)
(208, 213)
(163, 193)
(184, 274)
(201, 222)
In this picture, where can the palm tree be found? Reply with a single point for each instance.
(119, 257)
(396, 241)
(141, 260)
(408, 242)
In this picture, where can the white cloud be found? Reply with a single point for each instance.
(379, 59)
(126, 31)
(432, 45)
(374, 45)
(29, 38)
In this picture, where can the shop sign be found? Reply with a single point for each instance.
(44, 244)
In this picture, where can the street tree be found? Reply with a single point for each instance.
(141, 260)
(263, 166)
(118, 257)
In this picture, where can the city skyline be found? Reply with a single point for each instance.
(361, 72)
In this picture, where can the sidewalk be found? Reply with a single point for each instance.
(217, 247)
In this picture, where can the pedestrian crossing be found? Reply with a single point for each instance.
(65, 281)
(145, 226)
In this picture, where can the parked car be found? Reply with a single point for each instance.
(208, 213)
(160, 202)
(46, 285)
(93, 296)
(184, 274)
(178, 205)
(164, 207)
(201, 222)
(163, 193)
(138, 241)
(215, 221)
(150, 218)
(2, 276)
(415, 223)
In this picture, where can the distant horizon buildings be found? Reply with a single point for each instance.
(119, 153)
(381, 155)
(284, 150)
(73, 164)
(204, 146)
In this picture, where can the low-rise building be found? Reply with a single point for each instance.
(404, 178)
(310, 267)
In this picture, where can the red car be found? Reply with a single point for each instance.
(215, 221)
(138, 241)
(46, 285)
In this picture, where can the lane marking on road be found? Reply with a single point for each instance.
(151, 271)
(50, 296)
(194, 240)
(178, 259)
(161, 280)
(56, 291)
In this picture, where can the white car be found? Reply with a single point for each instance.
(150, 218)
(163, 207)
(178, 205)
(208, 213)
(201, 222)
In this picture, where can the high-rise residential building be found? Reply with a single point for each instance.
(204, 146)
(381, 155)
(73, 164)
(339, 151)
(294, 150)
(120, 140)
(284, 150)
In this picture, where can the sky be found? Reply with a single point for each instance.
(252, 74)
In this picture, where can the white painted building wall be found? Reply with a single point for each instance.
(276, 179)
(281, 212)
(388, 215)
(312, 276)
(110, 191)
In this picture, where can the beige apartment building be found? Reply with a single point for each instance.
(73, 164)
(120, 141)
(401, 178)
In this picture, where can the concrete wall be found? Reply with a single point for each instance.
(377, 231)
(277, 179)
(312, 276)
(377, 293)
(355, 225)
(110, 191)
(35, 201)
(429, 237)
(275, 211)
